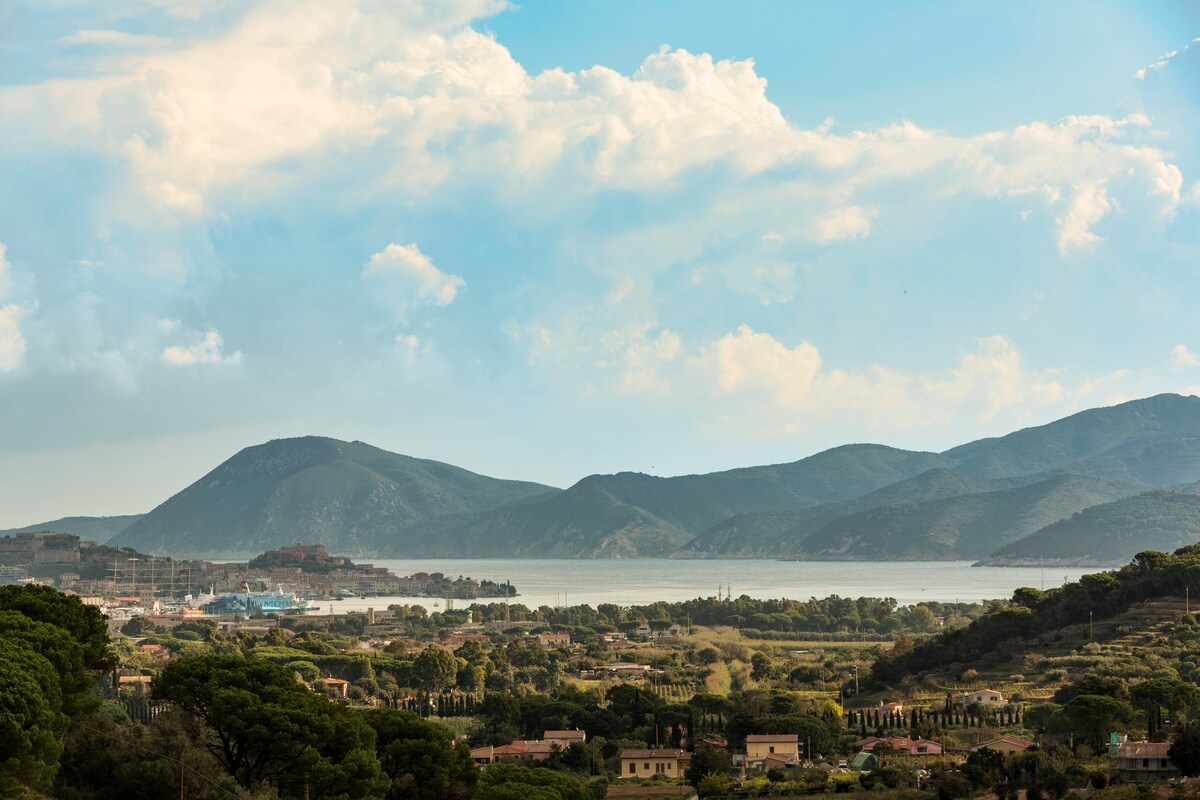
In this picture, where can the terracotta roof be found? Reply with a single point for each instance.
(773, 737)
(574, 735)
(681, 754)
(1144, 749)
(523, 747)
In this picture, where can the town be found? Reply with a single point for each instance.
(719, 696)
(137, 582)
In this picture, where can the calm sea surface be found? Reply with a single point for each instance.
(562, 582)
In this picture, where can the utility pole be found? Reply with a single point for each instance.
(1091, 630)
(855, 668)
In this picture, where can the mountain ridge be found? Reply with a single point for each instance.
(861, 501)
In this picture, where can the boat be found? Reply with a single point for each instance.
(346, 594)
(244, 603)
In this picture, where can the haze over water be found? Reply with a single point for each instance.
(637, 582)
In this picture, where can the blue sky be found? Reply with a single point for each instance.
(552, 239)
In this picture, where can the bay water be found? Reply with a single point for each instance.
(558, 582)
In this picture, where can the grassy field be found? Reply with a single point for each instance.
(621, 791)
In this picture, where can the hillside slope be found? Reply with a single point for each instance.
(760, 534)
(1109, 534)
(1122, 442)
(963, 527)
(96, 529)
(631, 514)
(349, 496)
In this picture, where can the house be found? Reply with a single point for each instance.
(565, 739)
(1144, 761)
(648, 763)
(1006, 745)
(902, 746)
(622, 671)
(336, 686)
(989, 698)
(482, 756)
(139, 682)
(924, 747)
(894, 708)
(553, 639)
(774, 761)
(535, 750)
(155, 651)
(759, 746)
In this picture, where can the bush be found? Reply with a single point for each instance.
(714, 783)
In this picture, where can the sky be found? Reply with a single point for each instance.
(544, 240)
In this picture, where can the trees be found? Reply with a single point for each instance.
(264, 727)
(435, 669)
(31, 723)
(85, 624)
(420, 758)
(707, 761)
(514, 782)
(1185, 748)
(1095, 715)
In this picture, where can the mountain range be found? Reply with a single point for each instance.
(1092, 488)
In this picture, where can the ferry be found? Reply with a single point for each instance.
(245, 603)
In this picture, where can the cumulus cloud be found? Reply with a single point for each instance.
(844, 223)
(792, 389)
(252, 112)
(208, 350)
(112, 38)
(1181, 356)
(12, 340)
(409, 277)
(748, 361)
(5, 271)
(637, 357)
(1088, 206)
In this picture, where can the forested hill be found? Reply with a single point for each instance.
(859, 501)
(964, 527)
(1034, 620)
(1105, 534)
(630, 514)
(349, 496)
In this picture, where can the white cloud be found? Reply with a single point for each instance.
(1181, 356)
(112, 38)
(12, 342)
(637, 358)
(1088, 206)
(853, 222)
(747, 361)
(409, 276)
(208, 350)
(5, 271)
(344, 85)
(788, 389)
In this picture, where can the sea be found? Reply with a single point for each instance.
(561, 582)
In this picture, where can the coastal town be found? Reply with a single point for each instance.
(720, 696)
(301, 572)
